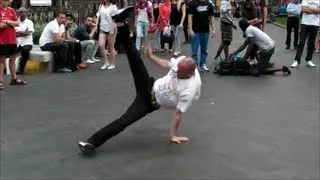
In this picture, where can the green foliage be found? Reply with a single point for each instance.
(38, 28)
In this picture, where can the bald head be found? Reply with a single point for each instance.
(186, 68)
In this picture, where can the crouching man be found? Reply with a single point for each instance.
(258, 40)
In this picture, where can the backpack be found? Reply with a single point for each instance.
(224, 67)
(241, 67)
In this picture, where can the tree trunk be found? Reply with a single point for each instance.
(24, 3)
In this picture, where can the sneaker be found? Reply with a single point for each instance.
(120, 15)
(286, 70)
(295, 64)
(64, 70)
(105, 66)
(310, 63)
(82, 66)
(89, 61)
(94, 59)
(86, 147)
(205, 68)
(112, 66)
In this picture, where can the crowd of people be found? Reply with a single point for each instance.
(96, 39)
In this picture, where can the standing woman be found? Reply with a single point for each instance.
(143, 19)
(264, 11)
(108, 31)
(177, 17)
(8, 42)
(163, 21)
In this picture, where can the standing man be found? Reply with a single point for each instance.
(226, 27)
(24, 38)
(309, 28)
(8, 42)
(293, 11)
(201, 23)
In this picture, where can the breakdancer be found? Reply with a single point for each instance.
(176, 90)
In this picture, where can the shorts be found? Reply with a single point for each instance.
(108, 33)
(8, 49)
(226, 32)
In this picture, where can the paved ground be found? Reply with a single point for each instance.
(241, 128)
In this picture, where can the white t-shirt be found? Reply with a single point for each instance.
(143, 14)
(106, 24)
(259, 38)
(47, 33)
(27, 24)
(311, 19)
(172, 92)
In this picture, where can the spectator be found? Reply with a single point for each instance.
(201, 22)
(226, 26)
(52, 40)
(177, 16)
(107, 33)
(143, 19)
(261, 6)
(8, 42)
(294, 11)
(24, 38)
(84, 33)
(310, 23)
(163, 21)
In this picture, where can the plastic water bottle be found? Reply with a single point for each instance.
(238, 57)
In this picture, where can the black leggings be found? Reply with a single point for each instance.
(141, 105)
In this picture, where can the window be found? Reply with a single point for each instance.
(40, 2)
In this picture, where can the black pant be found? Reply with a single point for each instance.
(142, 104)
(165, 39)
(77, 53)
(61, 52)
(185, 29)
(25, 52)
(292, 23)
(309, 32)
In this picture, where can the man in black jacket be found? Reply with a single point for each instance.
(84, 33)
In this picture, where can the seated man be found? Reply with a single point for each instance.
(74, 46)
(176, 90)
(51, 40)
(84, 33)
(256, 37)
(24, 38)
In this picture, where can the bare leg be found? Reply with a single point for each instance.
(102, 48)
(112, 51)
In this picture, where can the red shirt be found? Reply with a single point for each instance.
(164, 11)
(8, 34)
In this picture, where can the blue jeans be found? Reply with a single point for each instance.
(177, 44)
(156, 41)
(202, 40)
(142, 27)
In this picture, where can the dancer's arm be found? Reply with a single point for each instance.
(175, 123)
(243, 46)
(160, 62)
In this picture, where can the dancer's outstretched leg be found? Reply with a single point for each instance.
(142, 104)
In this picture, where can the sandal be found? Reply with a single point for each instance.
(1, 85)
(17, 82)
